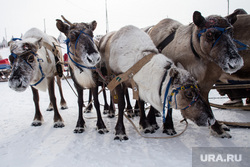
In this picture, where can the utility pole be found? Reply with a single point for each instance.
(6, 34)
(107, 24)
(44, 25)
(227, 7)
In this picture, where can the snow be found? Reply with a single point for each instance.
(26, 146)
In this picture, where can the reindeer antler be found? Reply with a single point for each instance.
(66, 20)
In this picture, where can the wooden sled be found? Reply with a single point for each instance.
(231, 86)
(5, 70)
(244, 107)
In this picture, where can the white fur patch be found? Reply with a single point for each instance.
(84, 78)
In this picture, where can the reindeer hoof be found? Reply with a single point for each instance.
(79, 130)
(169, 131)
(64, 107)
(50, 109)
(111, 115)
(225, 127)
(102, 131)
(148, 129)
(105, 112)
(224, 134)
(121, 137)
(36, 123)
(155, 126)
(58, 125)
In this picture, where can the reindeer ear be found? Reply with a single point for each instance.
(232, 18)
(93, 25)
(173, 72)
(38, 43)
(198, 19)
(63, 27)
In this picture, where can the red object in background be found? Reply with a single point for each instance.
(4, 61)
(65, 57)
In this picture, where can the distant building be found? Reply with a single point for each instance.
(4, 43)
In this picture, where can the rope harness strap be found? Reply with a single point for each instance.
(129, 75)
(67, 41)
(174, 93)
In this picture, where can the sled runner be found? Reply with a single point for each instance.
(233, 85)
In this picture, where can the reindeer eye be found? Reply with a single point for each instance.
(30, 58)
(210, 35)
(189, 94)
(73, 36)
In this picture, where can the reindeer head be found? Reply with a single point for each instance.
(214, 39)
(186, 97)
(24, 63)
(80, 42)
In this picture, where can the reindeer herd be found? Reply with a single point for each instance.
(168, 65)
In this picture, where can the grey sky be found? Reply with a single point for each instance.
(19, 16)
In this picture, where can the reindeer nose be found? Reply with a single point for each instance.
(89, 60)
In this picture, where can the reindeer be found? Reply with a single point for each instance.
(157, 79)
(205, 48)
(83, 57)
(35, 62)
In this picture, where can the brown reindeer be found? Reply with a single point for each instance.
(205, 48)
(83, 57)
(34, 63)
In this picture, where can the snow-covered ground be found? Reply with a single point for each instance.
(22, 145)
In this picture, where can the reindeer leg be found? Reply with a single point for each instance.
(120, 133)
(80, 122)
(129, 108)
(58, 121)
(144, 124)
(101, 128)
(106, 106)
(136, 108)
(168, 126)
(38, 118)
(63, 101)
(151, 117)
(90, 106)
(111, 108)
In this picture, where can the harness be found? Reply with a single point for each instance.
(174, 93)
(70, 53)
(166, 41)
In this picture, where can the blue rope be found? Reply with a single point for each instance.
(223, 30)
(165, 97)
(40, 67)
(79, 65)
(67, 41)
(244, 46)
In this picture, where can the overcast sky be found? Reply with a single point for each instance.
(18, 16)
